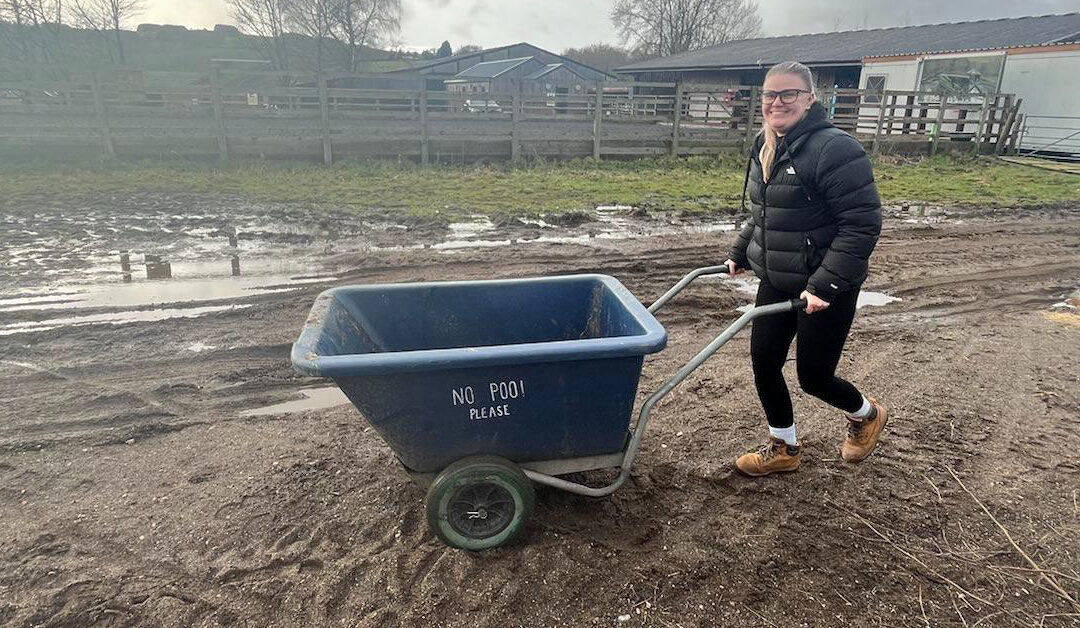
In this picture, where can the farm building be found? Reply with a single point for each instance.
(1037, 58)
(459, 69)
(533, 76)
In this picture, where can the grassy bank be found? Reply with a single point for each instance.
(696, 184)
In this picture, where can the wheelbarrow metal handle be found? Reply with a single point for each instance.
(685, 281)
(669, 385)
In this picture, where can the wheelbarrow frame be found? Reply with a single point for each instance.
(545, 472)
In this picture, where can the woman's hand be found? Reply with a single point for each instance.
(813, 304)
(733, 268)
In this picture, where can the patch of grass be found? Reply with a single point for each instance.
(983, 182)
(703, 184)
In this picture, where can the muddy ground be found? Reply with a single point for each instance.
(133, 491)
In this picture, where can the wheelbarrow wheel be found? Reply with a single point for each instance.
(479, 502)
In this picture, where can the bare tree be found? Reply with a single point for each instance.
(313, 18)
(467, 48)
(266, 20)
(602, 56)
(107, 17)
(668, 27)
(360, 24)
(33, 27)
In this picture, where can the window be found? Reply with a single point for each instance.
(875, 87)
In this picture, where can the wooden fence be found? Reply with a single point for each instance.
(229, 113)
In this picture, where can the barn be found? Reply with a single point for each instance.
(513, 61)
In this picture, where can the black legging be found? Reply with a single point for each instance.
(821, 339)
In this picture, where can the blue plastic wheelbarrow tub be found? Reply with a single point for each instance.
(528, 369)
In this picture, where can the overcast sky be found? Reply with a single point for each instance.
(558, 24)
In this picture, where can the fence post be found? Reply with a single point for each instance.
(324, 114)
(515, 120)
(219, 113)
(880, 121)
(424, 136)
(1015, 119)
(598, 117)
(751, 111)
(981, 127)
(103, 117)
(942, 106)
(1018, 133)
(676, 121)
(1006, 124)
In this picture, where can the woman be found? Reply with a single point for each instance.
(815, 219)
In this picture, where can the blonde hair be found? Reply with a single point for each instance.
(767, 155)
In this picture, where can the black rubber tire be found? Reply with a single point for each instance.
(479, 502)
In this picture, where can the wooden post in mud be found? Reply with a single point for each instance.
(125, 266)
(751, 112)
(424, 131)
(942, 106)
(598, 117)
(515, 123)
(234, 244)
(676, 120)
(219, 113)
(324, 116)
(103, 117)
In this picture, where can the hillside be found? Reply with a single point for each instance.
(160, 48)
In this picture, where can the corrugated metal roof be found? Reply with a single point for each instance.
(551, 67)
(491, 69)
(581, 69)
(851, 47)
(547, 69)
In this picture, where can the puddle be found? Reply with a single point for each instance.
(114, 318)
(613, 222)
(450, 245)
(1069, 302)
(463, 230)
(314, 399)
(875, 299)
(749, 286)
(147, 293)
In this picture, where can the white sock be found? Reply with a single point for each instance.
(863, 412)
(786, 434)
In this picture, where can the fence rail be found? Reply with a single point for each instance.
(229, 113)
(1050, 136)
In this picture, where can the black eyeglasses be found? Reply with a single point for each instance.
(787, 96)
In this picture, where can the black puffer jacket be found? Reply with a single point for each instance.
(814, 224)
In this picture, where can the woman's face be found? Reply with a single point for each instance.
(781, 116)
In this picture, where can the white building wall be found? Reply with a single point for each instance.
(1049, 83)
(899, 75)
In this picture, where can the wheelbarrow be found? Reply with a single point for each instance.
(482, 388)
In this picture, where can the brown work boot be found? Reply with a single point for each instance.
(776, 456)
(863, 436)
